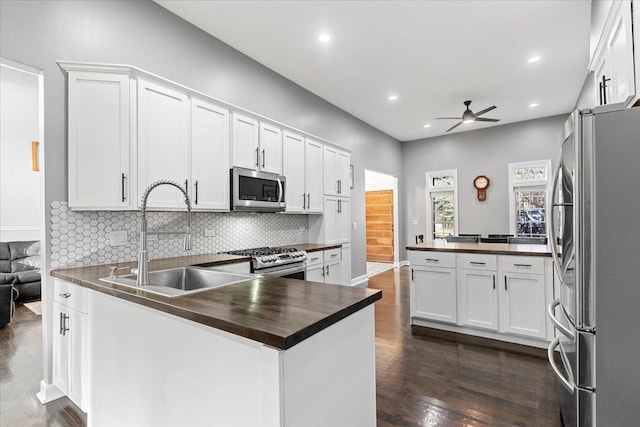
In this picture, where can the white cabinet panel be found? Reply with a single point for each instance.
(433, 294)
(245, 131)
(293, 168)
(209, 156)
(70, 342)
(163, 143)
(478, 299)
(346, 264)
(99, 144)
(270, 149)
(313, 176)
(336, 172)
(337, 220)
(523, 304)
(315, 273)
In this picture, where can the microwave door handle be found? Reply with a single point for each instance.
(552, 225)
(280, 192)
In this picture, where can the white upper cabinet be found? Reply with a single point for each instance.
(209, 156)
(337, 217)
(313, 175)
(293, 169)
(302, 167)
(100, 171)
(256, 145)
(245, 131)
(270, 149)
(163, 143)
(613, 60)
(336, 172)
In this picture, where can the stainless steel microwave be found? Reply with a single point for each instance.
(255, 191)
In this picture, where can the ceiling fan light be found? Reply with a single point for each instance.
(468, 117)
(467, 121)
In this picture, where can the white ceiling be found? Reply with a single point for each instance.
(432, 54)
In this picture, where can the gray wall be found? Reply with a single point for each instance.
(479, 152)
(143, 34)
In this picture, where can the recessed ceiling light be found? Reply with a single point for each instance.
(427, 125)
(324, 38)
(534, 59)
(393, 98)
(533, 105)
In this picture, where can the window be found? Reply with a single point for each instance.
(442, 203)
(529, 184)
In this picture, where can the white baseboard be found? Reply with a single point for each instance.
(48, 393)
(360, 282)
(404, 263)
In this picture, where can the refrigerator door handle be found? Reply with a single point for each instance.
(553, 238)
(563, 329)
(567, 383)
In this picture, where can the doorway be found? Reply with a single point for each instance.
(381, 213)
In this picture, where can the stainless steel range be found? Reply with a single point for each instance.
(281, 262)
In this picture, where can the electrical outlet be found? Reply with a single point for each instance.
(355, 225)
(209, 233)
(415, 222)
(118, 238)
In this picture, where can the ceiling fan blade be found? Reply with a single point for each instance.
(481, 119)
(486, 110)
(454, 126)
(447, 118)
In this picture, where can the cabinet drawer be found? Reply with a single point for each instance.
(522, 264)
(315, 258)
(477, 261)
(70, 295)
(432, 259)
(332, 256)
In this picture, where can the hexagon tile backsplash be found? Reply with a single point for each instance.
(82, 238)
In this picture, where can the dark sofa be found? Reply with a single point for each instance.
(20, 278)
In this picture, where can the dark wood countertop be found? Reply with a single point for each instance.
(275, 311)
(484, 248)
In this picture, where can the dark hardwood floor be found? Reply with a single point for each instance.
(435, 381)
(421, 380)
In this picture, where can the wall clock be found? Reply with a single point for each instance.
(481, 183)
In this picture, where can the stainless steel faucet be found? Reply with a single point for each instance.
(143, 261)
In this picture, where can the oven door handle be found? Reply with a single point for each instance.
(276, 271)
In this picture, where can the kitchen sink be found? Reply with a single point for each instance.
(181, 281)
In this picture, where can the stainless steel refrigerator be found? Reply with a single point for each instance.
(596, 222)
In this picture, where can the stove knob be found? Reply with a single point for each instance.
(264, 258)
(273, 258)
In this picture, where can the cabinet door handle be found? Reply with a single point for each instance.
(257, 158)
(122, 182)
(65, 295)
(494, 281)
(196, 185)
(263, 155)
(308, 200)
(334, 255)
(432, 259)
(327, 270)
(64, 324)
(523, 265)
(603, 88)
(314, 259)
(505, 283)
(60, 324)
(304, 198)
(477, 263)
(186, 185)
(412, 274)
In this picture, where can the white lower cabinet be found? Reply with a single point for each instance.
(523, 297)
(502, 297)
(433, 293)
(478, 299)
(70, 341)
(326, 267)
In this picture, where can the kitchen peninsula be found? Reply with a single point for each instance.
(491, 290)
(268, 351)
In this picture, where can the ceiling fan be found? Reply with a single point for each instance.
(469, 116)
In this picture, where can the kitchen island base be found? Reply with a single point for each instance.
(151, 368)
